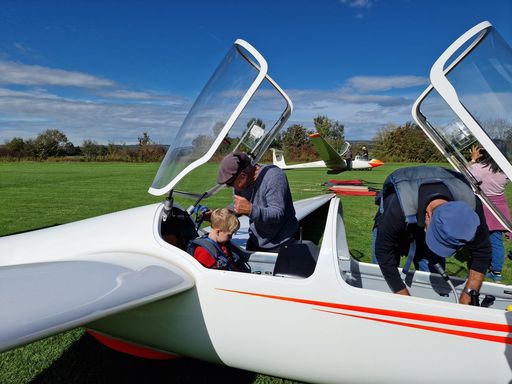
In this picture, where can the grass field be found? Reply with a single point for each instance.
(38, 195)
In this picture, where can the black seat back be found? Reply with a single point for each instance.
(295, 260)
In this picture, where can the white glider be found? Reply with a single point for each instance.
(330, 158)
(310, 313)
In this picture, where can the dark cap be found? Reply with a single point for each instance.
(232, 165)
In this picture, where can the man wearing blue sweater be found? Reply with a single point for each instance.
(262, 193)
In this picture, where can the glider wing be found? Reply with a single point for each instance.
(42, 299)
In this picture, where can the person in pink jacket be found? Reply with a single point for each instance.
(493, 181)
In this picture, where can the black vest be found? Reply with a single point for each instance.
(406, 182)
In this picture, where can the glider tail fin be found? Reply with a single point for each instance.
(278, 158)
(328, 154)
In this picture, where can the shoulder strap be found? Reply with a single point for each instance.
(206, 243)
(219, 250)
(215, 251)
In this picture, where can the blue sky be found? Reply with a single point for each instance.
(111, 70)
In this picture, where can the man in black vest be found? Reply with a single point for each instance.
(425, 211)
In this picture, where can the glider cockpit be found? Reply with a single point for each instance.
(239, 90)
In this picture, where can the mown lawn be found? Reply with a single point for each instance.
(38, 195)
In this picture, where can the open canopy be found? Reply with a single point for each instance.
(239, 101)
(469, 103)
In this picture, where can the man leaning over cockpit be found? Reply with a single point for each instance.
(262, 193)
(429, 213)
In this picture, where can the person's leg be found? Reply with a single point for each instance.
(374, 236)
(427, 264)
(498, 251)
(498, 255)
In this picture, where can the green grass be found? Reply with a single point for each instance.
(38, 195)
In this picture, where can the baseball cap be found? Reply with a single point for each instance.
(453, 224)
(232, 165)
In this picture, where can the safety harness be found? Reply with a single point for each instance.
(221, 261)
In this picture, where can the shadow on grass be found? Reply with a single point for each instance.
(88, 361)
(460, 263)
(357, 255)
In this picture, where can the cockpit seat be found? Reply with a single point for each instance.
(295, 260)
(178, 230)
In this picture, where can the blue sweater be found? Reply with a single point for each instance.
(272, 219)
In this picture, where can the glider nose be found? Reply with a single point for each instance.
(375, 163)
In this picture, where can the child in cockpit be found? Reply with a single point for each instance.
(215, 251)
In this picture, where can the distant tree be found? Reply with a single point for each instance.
(331, 130)
(16, 144)
(295, 136)
(30, 146)
(277, 143)
(257, 121)
(304, 154)
(227, 144)
(148, 150)
(71, 150)
(404, 143)
(112, 148)
(252, 121)
(126, 153)
(91, 149)
(50, 143)
(201, 145)
(497, 128)
(144, 139)
(16, 149)
(358, 148)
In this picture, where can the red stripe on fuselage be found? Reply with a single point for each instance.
(473, 335)
(404, 315)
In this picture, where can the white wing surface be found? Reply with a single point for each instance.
(42, 299)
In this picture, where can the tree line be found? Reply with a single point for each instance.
(392, 143)
(52, 144)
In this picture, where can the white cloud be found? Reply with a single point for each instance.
(358, 3)
(27, 107)
(21, 74)
(314, 96)
(366, 84)
(80, 119)
(33, 93)
(133, 95)
(120, 115)
(361, 114)
(21, 48)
